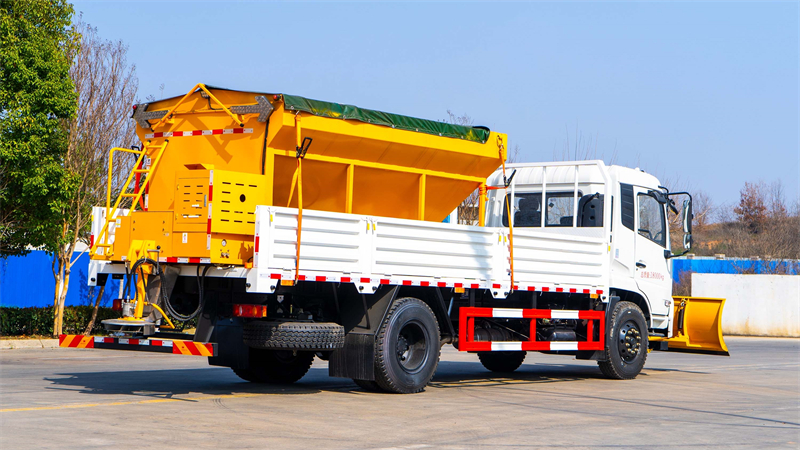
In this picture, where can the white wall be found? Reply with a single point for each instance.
(756, 305)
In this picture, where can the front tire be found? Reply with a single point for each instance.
(407, 347)
(276, 366)
(502, 362)
(626, 343)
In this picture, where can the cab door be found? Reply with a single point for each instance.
(652, 272)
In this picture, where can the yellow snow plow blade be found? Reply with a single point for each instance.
(696, 326)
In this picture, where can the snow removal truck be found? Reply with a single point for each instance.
(280, 228)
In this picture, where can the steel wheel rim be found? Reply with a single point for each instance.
(630, 341)
(285, 356)
(411, 349)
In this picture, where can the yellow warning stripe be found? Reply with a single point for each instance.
(178, 347)
(204, 351)
(190, 348)
(76, 341)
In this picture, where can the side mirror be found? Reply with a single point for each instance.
(687, 223)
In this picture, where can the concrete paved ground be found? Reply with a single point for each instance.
(69, 398)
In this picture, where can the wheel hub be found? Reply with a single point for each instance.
(411, 347)
(630, 341)
(402, 348)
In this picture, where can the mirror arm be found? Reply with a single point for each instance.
(669, 255)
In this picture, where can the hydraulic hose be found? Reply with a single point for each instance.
(170, 309)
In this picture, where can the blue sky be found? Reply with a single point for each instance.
(706, 95)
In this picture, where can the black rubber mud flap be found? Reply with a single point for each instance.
(356, 359)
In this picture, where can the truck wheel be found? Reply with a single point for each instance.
(502, 361)
(276, 366)
(407, 347)
(626, 343)
(305, 336)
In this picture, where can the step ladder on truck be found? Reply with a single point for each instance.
(283, 228)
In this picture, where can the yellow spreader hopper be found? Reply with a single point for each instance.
(209, 157)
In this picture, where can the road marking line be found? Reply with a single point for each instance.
(158, 400)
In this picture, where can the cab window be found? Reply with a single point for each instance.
(527, 209)
(652, 224)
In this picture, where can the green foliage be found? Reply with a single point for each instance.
(36, 95)
(39, 321)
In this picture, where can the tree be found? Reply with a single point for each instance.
(106, 87)
(36, 94)
(752, 209)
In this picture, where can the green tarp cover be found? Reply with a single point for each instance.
(350, 112)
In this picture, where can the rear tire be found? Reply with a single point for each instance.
(276, 366)
(407, 347)
(502, 362)
(626, 343)
(305, 336)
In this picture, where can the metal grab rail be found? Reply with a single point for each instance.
(110, 211)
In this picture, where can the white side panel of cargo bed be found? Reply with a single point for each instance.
(414, 248)
(337, 245)
(328, 242)
(575, 256)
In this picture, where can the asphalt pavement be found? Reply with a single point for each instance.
(85, 399)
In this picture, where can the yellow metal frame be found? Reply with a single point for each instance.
(167, 117)
(382, 166)
(353, 163)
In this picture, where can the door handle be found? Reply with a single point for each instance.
(641, 264)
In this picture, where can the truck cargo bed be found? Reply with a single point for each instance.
(370, 251)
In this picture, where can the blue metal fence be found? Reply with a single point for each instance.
(28, 281)
(732, 265)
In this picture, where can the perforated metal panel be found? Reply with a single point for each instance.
(191, 202)
(235, 198)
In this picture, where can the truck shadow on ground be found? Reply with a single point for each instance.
(168, 383)
(173, 383)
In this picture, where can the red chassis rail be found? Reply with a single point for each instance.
(466, 329)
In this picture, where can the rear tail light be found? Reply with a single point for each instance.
(117, 304)
(253, 311)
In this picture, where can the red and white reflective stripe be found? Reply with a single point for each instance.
(417, 282)
(210, 195)
(501, 346)
(172, 259)
(127, 341)
(517, 313)
(562, 289)
(218, 131)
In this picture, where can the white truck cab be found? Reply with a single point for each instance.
(624, 208)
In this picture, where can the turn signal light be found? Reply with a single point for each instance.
(117, 304)
(254, 311)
